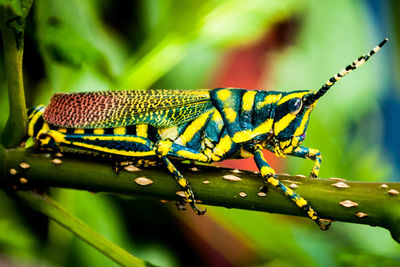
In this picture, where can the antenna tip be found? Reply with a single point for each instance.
(383, 42)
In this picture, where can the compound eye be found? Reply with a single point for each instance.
(295, 105)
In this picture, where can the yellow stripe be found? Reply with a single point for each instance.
(264, 127)
(300, 128)
(269, 99)
(141, 130)
(292, 95)
(116, 138)
(33, 122)
(283, 123)
(216, 117)
(248, 100)
(79, 131)
(224, 145)
(98, 131)
(246, 135)
(192, 156)
(116, 151)
(194, 127)
(120, 130)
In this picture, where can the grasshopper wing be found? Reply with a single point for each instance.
(109, 109)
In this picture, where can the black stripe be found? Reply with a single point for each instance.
(131, 130)
(108, 130)
(88, 131)
(38, 125)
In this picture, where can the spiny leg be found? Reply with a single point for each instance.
(311, 154)
(269, 174)
(163, 148)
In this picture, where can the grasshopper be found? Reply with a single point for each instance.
(206, 125)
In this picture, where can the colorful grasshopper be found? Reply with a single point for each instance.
(201, 125)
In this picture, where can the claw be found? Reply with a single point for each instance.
(323, 224)
(196, 209)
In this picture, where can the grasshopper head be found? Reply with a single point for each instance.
(293, 110)
(290, 122)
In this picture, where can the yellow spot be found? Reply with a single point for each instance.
(62, 130)
(230, 114)
(301, 202)
(164, 147)
(289, 192)
(269, 99)
(311, 214)
(120, 130)
(79, 131)
(182, 182)
(223, 94)
(265, 171)
(98, 131)
(248, 100)
(141, 130)
(273, 181)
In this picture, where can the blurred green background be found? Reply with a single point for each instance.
(265, 44)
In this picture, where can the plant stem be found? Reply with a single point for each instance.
(374, 204)
(11, 26)
(54, 211)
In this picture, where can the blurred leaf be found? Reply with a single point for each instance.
(208, 24)
(19, 242)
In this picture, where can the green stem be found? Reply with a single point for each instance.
(379, 207)
(53, 210)
(15, 127)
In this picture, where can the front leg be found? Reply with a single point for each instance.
(269, 175)
(311, 154)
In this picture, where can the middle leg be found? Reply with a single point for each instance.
(269, 174)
